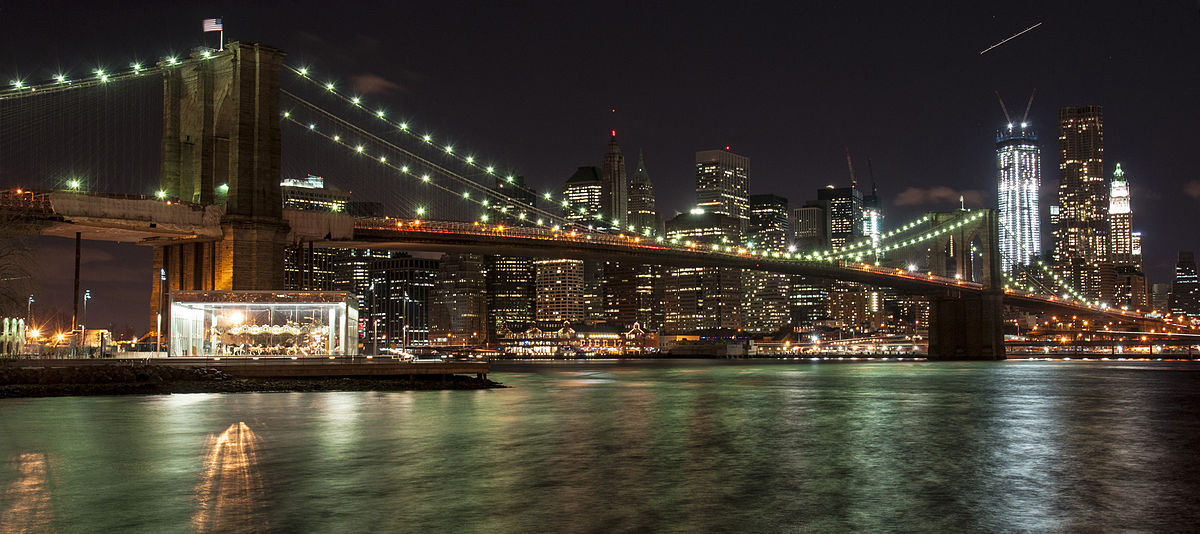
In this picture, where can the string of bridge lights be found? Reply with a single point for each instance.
(62, 81)
(449, 150)
(362, 149)
(1071, 292)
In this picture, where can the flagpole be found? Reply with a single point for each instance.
(222, 37)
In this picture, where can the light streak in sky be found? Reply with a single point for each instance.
(1010, 38)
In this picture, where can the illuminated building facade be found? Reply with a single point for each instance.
(559, 289)
(1185, 291)
(583, 192)
(702, 297)
(723, 183)
(309, 267)
(310, 193)
(614, 185)
(844, 214)
(872, 219)
(1081, 237)
(640, 301)
(766, 306)
(510, 279)
(643, 213)
(510, 292)
(1120, 216)
(458, 302)
(399, 307)
(810, 228)
(1019, 163)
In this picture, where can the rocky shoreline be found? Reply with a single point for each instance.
(145, 379)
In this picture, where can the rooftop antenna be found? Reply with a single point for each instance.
(850, 164)
(1027, 106)
(1002, 108)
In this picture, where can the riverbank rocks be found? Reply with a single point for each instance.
(120, 378)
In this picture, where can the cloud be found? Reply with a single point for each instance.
(1192, 188)
(917, 196)
(374, 84)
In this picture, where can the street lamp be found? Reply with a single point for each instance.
(87, 295)
(162, 288)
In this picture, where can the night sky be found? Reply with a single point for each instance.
(533, 85)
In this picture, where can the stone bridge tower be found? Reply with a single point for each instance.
(221, 145)
(967, 326)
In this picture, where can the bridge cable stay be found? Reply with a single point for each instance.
(893, 236)
(104, 138)
(1042, 266)
(439, 169)
(404, 128)
(405, 170)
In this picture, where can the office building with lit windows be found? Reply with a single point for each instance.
(702, 297)
(399, 303)
(1081, 237)
(844, 214)
(1019, 164)
(614, 185)
(458, 301)
(583, 192)
(1185, 290)
(1120, 216)
(643, 213)
(766, 306)
(723, 183)
(559, 289)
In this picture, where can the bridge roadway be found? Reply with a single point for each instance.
(148, 221)
(444, 236)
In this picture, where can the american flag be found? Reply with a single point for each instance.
(212, 25)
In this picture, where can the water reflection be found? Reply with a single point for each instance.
(27, 499)
(229, 497)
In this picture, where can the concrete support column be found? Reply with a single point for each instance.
(966, 327)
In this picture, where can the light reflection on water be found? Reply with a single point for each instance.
(27, 499)
(229, 497)
(693, 446)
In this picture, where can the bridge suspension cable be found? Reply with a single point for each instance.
(448, 150)
(61, 81)
(1053, 275)
(497, 202)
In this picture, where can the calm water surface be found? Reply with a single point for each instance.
(684, 446)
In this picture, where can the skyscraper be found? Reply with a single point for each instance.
(766, 305)
(583, 193)
(614, 185)
(559, 284)
(510, 279)
(1120, 216)
(640, 301)
(1185, 291)
(643, 214)
(810, 227)
(401, 301)
(1019, 163)
(311, 267)
(702, 297)
(1081, 248)
(844, 215)
(768, 228)
(723, 183)
(458, 301)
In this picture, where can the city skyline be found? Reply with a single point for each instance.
(906, 185)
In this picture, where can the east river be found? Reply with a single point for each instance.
(689, 446)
